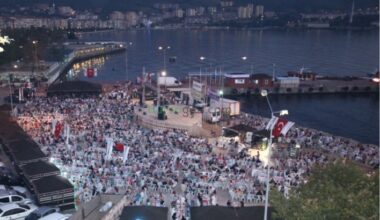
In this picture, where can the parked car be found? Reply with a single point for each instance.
(56, 216)
(12, 197)
(41, 212)
(22, 191)
(16, 211)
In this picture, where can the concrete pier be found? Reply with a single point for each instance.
(321, 85)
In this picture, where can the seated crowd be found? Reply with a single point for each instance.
(167, 167)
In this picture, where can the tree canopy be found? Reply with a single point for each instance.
(338, 191)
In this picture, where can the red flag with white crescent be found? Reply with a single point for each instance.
(282, 126)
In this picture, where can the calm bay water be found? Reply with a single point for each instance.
(337, 53)
(349, 115)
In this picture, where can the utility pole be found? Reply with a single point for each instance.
(143, 87)
(158, 94)
(126, 64)
(10, 92)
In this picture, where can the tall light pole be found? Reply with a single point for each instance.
(282, 112)
(163, 48)
(127, 45)
(221, 104)
(208, 84)
(163, 73)
(244, 58)
(143, 87)
(35, 55)
(202, 58)
(10, 92)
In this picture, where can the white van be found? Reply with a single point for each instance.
(211, 114)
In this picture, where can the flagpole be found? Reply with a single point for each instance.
(10, 93)
(282, 112)
(270, 106)
(265, 93)
(143, 84)
(158, 94)
(268, 169)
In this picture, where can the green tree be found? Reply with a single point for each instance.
(338, 191)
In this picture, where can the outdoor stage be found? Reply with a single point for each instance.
(178, 117)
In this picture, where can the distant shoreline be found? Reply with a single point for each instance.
(229, 28)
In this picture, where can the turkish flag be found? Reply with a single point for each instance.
(280, 124)
(119, 147)
(58, 129)
(90, 72)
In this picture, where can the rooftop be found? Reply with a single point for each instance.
(51, 184)
(39, 167)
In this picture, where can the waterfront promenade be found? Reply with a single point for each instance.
(81, 52)
(55, 70)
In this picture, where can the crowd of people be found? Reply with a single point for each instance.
(167, 167)
(366, 154)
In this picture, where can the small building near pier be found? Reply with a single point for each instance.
(288, 82)
(237, 80)
(261, 81)
(240, 83)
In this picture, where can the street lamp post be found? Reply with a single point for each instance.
(164, 50)
(207, 74)
(143, 87)
(35, 56)
(244, 58)
(10, 92)
(202, 58)
(163, 73)
(126, 59)
(221, 104)
(282, 112)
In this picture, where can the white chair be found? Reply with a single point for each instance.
(250, 198)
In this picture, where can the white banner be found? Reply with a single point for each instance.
(197, 86)
(53, 124)
(67, 133)
(125, 156)
(109, 148)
